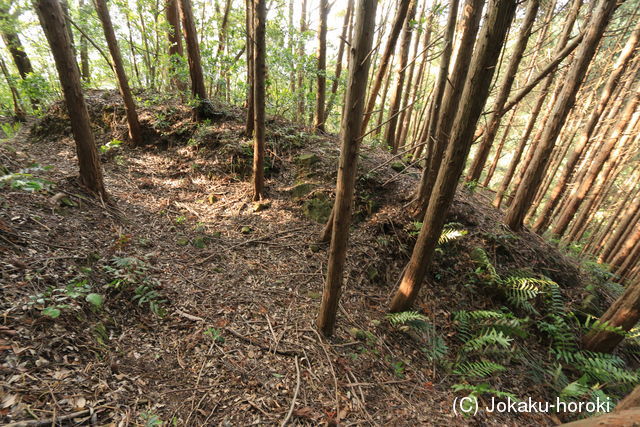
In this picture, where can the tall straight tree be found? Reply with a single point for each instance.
(532, 179)
(259, 71)
(54, 26)
(84, 45)
(350, 134)
(176, 51)
(321, 79)
(338, 72)
(301, 107)
(193, 52)
(248, 13)
(385, 61)
(450, 103)
(396, 97)
(476, 90)
(135, 132)
(441, 83)
(491, 128)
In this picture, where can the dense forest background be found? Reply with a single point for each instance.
(437, 196)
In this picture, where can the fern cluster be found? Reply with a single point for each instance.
(488, 333)
(519, 290)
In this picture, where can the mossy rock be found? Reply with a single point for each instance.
(307, 160)
(318, 208)
(398, 166)
(301, 189)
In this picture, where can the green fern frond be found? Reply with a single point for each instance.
(493, 340)
(481, 369)
(482, 260)
(437, 350)
(449, 233)
(402, 318)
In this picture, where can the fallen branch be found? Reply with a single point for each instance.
(295, 395)
(48, 421)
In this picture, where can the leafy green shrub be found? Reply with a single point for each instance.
(54, 301)
(26, 180)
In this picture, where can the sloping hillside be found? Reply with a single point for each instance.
(181, 301)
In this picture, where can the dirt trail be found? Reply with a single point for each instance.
(252, 272)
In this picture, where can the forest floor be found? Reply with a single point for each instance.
(232, 340)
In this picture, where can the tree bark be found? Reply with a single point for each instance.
(198, 90)
(135, 132)
(15, 47)
(475, 93)
(627, 247)
(396, 97)
(321, 79)
(492, 126)
(300, 111)
(623, 313)
(13, 43)
(629, 217)
(175, 41)
(347, 170)
(53, 23)
(414, 86)
(249, 123)
(627, 418)
(259, 71)
(385, 61)
(450, 100)
(338, 72)
(532, 178)
(84, 48)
